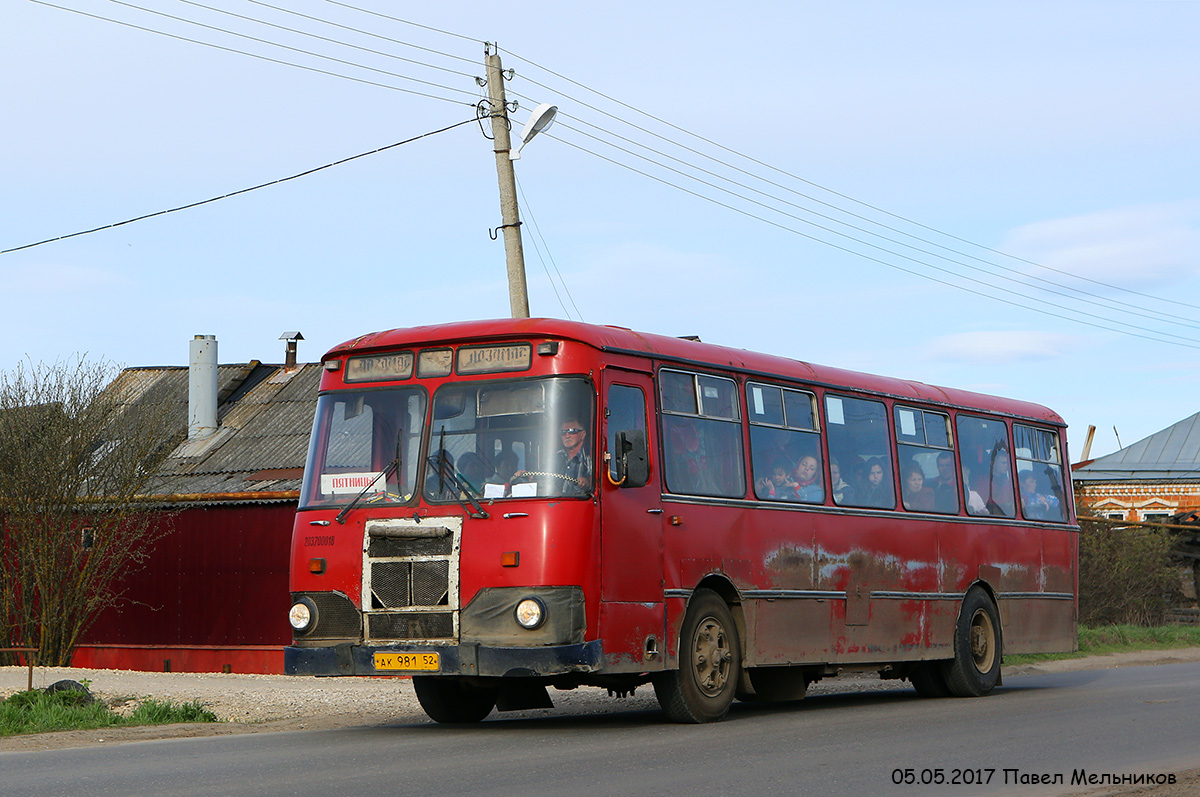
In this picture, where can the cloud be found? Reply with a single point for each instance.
(984, 347)
(1143, 247)
(57, 279)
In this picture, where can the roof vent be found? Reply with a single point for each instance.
(289, 362)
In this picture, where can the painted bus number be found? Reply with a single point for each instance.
(424, 662)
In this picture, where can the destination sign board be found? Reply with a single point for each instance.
(494, 359)
(380, 367)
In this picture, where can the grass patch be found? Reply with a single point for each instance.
(39, 712)
(1105, 639)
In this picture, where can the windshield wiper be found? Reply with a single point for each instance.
(445, 471)
(341, 516)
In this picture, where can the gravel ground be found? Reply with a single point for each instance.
(256, 703)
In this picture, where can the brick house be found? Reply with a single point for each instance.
(1152, 480)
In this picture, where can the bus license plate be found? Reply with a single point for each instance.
(423, 662)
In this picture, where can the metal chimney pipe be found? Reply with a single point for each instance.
(202, 387)
(289, 363)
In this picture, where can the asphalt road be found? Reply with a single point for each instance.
(1134, 719)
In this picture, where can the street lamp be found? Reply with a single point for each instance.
(541, 118)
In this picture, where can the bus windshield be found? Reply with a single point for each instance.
(366, 440)
(511, 439)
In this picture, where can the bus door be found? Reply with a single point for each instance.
(631, 567)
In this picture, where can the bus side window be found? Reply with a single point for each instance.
(924, 446)
(626, 411)
(1039, 474)
(785, 446)
(986, 467)
(702, 435)
(858, 440)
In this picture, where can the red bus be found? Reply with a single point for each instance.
(499, 507)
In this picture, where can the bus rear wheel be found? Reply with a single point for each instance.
(975, 669)
(452, 699)
(710, 663)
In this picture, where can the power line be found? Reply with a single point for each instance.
(869, 257)
(242, 191)
(534, 240)
(815, 185)
(316, 36)
(403, 21)
(769, 196)
(282, 46)
(1075, 292)
(247, 54)
(1105, 304)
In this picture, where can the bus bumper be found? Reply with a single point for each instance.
(469, 659)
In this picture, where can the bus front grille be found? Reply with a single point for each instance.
(399, 585)
(410, 625)
(410, 584)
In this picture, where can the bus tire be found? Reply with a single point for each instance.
(928, 679)
(710, 661)
(975, 669)
(449, 699)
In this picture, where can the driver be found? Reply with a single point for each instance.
(573, 459)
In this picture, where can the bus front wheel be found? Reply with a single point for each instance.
(710, 662)
(453, 700)
(975, 669)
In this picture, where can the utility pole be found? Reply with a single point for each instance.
(518, 292)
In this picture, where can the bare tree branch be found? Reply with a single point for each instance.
(76, 453)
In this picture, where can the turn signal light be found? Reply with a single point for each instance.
(316, 566)
(510, 558)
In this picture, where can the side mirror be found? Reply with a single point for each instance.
(631, 458)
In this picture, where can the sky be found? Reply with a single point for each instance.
(997, 197)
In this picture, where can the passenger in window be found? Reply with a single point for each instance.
(440, 482)
(1000, 501)
(472, 471)
(688, 466)
(842, 492)
(506, 466)
(913, 492)
(779, 485)
(975, 503)
(945, 488)
(1038, 504)
(506, 469)
(878, 490)
(858, 477)
(808, 480)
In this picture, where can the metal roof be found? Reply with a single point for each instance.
(1170, 454)
(265, 416)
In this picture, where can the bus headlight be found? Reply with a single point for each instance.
(303, 615)
(530, 613)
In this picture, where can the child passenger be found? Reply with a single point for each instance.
(808, 481)
(779, 485)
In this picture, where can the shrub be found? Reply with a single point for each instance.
(1125, 574)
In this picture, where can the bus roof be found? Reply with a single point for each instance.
(620, 339)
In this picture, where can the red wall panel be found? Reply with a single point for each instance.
(218, 578)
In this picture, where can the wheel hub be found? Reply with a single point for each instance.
(983, 648)
(711, 657)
